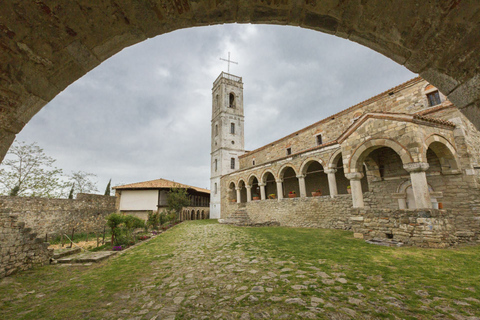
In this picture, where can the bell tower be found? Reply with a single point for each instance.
(227, 134)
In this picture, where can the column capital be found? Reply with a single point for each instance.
(238, 188)
(330, 171)
(301, 176)
(262, 184)
(354, 175)
(248, 187)
(416, 167)
(279, 180)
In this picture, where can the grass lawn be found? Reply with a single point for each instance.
(203, 270)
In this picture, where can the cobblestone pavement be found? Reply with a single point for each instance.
(213, 271)
(220, 272)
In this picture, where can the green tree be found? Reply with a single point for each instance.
(28, 171)
(114, 220)
(177, 199)
(107, 189)
(14, 191)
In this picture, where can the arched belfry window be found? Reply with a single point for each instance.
(232, 100)
(232, 128)
(216, 164)
(217, 102)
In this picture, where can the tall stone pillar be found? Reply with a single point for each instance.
(332, 181)
(262, 190)
(301, 184)
(356, 187)
(419, 184)
(279, 189)
(239, 196)
(249, 193)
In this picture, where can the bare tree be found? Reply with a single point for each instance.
(28, 171)
(82, 182)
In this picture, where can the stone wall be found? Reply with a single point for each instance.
(316, 212)
(423, 228)
(53, 216)
(20, 249)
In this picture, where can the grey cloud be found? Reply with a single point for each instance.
(145, 113)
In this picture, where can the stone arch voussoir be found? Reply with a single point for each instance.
(281, 171)
(355, 163)
(264, 175)
(451, 156)
(304, 167)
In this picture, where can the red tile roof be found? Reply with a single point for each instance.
(159, 184)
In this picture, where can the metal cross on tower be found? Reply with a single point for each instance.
(228, 61)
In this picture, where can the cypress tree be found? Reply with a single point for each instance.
(14, 191)
(107, 189)
(70, 195)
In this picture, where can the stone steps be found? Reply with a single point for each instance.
(60, 253)
(238, 218)
(87, 257)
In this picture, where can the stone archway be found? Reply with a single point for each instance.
(41, 59)
(268, 178)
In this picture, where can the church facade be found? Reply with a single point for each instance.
(403, 165)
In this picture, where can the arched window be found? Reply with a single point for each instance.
(215, 188)
(216, 164)
(232, 100)
(232, 128)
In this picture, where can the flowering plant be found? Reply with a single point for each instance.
(117, 248)
(318, 190)
(349, 187)
(292, 192)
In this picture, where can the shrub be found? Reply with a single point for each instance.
(114, 220)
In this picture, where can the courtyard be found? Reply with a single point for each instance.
(204, 270)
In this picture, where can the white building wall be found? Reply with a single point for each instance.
(139, 200)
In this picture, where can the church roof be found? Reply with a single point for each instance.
(159, 184)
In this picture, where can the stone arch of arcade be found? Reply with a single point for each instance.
(41, 59)
(377, 150)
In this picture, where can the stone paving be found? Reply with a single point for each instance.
(222, 272)
(219, 272)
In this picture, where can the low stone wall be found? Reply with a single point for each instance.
(53, 216)
(314, 212)
(20, 248)
(423, 228)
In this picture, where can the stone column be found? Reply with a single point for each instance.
(279, 189)
(239, 196)
(356, 187)
(332, 182)
(419, 184)
(262, 190)
(249, 193)
(301, 184)
(402, 200)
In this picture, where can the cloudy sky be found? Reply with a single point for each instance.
(145, 113)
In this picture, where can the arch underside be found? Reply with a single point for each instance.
(45, 48)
